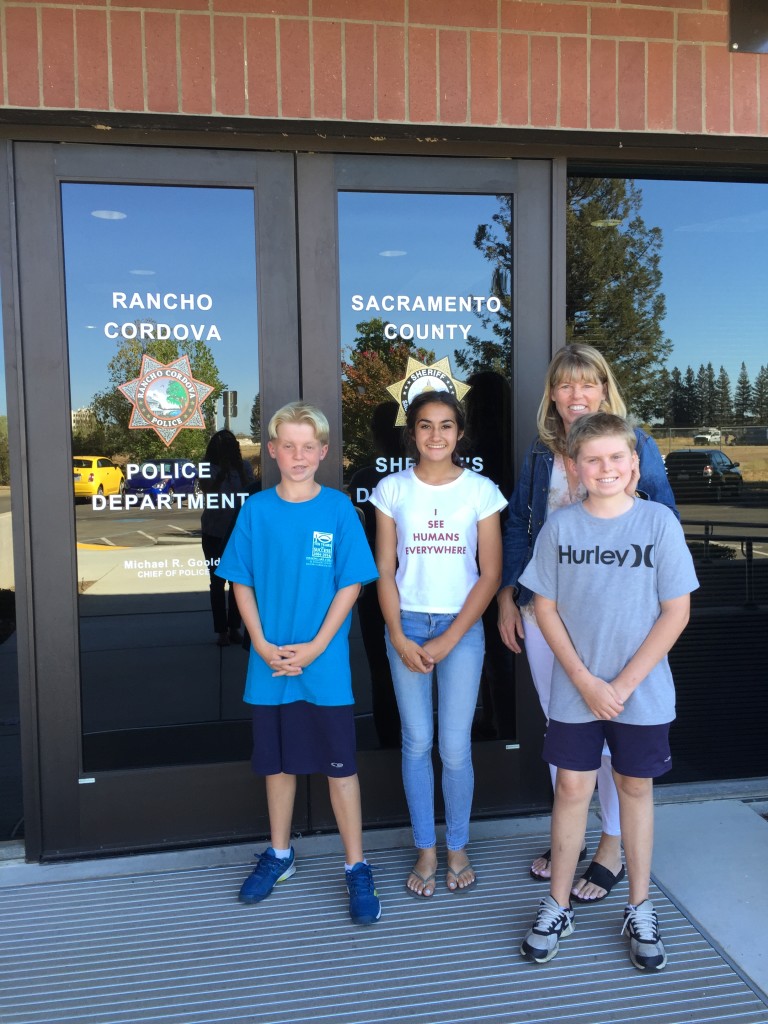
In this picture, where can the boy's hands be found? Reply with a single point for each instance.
(291, 659)
(601, 698)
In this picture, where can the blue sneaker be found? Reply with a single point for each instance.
(268, 872)
(364, 904)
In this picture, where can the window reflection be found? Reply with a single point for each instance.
(161, 320)
(667, 278)
(423, 281)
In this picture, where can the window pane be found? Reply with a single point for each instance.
(667, 278)
(161, 315)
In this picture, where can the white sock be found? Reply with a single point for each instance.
(348, 867)
(282, 854)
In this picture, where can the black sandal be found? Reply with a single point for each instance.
(548, 858)
(600, 875)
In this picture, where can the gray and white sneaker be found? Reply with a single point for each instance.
(552, 923)
(646, 950)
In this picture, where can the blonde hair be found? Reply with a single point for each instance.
(575, 362)
(300, 412)
(599, 424)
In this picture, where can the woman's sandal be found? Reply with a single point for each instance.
(600, 875)
(451, 874)
(547, 856)
(428, 881)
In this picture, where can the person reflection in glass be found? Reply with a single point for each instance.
(388, 455)
(230, 474)
(489, 427)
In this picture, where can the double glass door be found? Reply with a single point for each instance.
(164, 296)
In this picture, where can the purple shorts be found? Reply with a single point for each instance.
(638, 751)
(304, 739)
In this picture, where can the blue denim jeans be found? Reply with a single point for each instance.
(458, 680)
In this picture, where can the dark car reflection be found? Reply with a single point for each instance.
(703, 473)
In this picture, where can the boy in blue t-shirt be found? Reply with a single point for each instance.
(612, 578)
(297, 558)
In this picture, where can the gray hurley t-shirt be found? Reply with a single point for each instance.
(607, 577)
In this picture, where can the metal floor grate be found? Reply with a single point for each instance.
(177, 948)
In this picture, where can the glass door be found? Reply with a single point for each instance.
(431, 295)
(155, 311)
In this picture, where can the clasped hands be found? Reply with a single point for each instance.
(423, 658)
(601, 698)
(289, 659)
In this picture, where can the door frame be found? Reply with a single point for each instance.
(509, 778)
(67, 812)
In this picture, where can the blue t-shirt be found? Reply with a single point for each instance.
(297, 556)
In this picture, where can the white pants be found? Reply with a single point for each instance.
(541, 659)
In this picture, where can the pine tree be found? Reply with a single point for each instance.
(613, 286)
(724, 400)
(691, 404)
(256, 418)
(760, 396)
(742, 398)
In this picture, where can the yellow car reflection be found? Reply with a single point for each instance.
(94, 474)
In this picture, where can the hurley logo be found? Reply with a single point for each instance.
(610, 556)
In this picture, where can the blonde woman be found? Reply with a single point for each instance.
(579, 381)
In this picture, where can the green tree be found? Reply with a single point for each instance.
(372, 363)
(613, 286)
(742, 397)
(5, 458)
(112, 410)
(760, 395)
(723, 399)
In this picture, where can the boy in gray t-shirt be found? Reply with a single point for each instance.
(612, 578)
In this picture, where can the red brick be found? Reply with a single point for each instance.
(631, 86)
(745, 93)
(92, 62)
(660, 87)
(687, 5)
(483, 78)
(390, 73)
(718, 5)
(127, 72)
(295, 82)
(69, 3)
(515, 79)
(449, 14)
(21, 45)
(358, 58)
(261, 63)
(624, 23)
(689, 89)
(58, 63)
(277, 8)
(702, 28)
(717, 90)
(573, 75)
(162, 5)
(602, 83)
(360, 10)
(328, 90)
(196, 71)
(453, 77)
(422, 75)
(229, 65)
(565, 19)
(161, 61)
(544, 90)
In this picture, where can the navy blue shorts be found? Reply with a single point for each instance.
(639, 751)
(304, 739)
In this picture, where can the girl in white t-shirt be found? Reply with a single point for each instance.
(438, 551)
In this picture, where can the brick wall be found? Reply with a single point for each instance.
(629, 65)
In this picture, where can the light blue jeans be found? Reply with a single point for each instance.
(458, 680)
